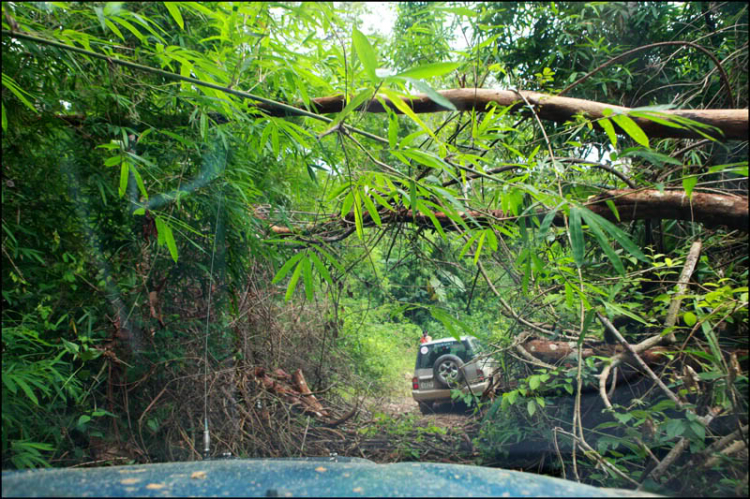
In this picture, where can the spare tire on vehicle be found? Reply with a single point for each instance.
(447, 370)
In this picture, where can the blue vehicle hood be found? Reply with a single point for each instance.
(321, 477)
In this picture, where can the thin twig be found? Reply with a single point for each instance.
(591, 452)
(674, 307)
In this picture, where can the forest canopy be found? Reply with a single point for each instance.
(198, 193)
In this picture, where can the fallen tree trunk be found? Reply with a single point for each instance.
(732, 123)
(298, 393)
(712, 210)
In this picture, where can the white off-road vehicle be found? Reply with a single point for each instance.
(447, 364)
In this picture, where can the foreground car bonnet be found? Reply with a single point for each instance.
(292, 478)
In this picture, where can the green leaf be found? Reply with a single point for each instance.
(366, 54)
(351, 106)
(690, 319)
(5, 120)
(371, 209)
(11, 85)
(547, 221)
(607, 126)
(482, 235)
(688, 183)
(330, 258)
(534, 382)
(124, 175)
(576, 236)
(169, 239)
(413, 196)
(172, 8)
(425, 158)
(113, 160)
(469, 243)
(392, 129)
(284, 270)
(358, 216)
(429, 70)
(619, 235)
(27, 390)
(656, 117)
(618, 310)
(631, 128)
(307, 274)
(293, 281)
(322, 270)
(613, 207)
(593, 225)
(406, 109)
(346, 205)
(654, 157)
(531, 407)
(432, 94)
(139, 181)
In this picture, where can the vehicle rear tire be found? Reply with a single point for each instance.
(447, 370)
(425, 407)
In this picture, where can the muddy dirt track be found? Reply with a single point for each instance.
(397, 431)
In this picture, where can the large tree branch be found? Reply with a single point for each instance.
(713, 210)
(733, 123)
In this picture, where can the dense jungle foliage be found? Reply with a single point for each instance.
(162, 238)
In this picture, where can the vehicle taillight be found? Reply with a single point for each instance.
(480, 375)
(415, 383)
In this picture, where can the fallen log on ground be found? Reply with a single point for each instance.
(296, 393)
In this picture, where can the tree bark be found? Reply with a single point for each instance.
(732, 123)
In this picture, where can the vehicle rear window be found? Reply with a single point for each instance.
(426, 360)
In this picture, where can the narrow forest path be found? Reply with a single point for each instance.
(394, 430)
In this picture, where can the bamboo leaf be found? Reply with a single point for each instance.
(413, 196)
(175, 12)
(284, 270)
(358, 216)
(406, 109)
(372, 210)
(618, 234)
(293, 281)
(607, 126)
(322, 270)
(631, 128)
(11, 85)
(576, 235)
(468, 244)
(169, 239)
(688, 183)
(424, 209)
(139, 181)
(547, 221)
(353, 104)
(491, 239)
(27, 390)
(124, 175)
(366, 54)
(307, 274)
(428, 70)
(593, 225)
(330, 258)
(425, 158)
(432, 94)
(482, 235)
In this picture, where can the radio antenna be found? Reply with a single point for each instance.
(206, 435)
